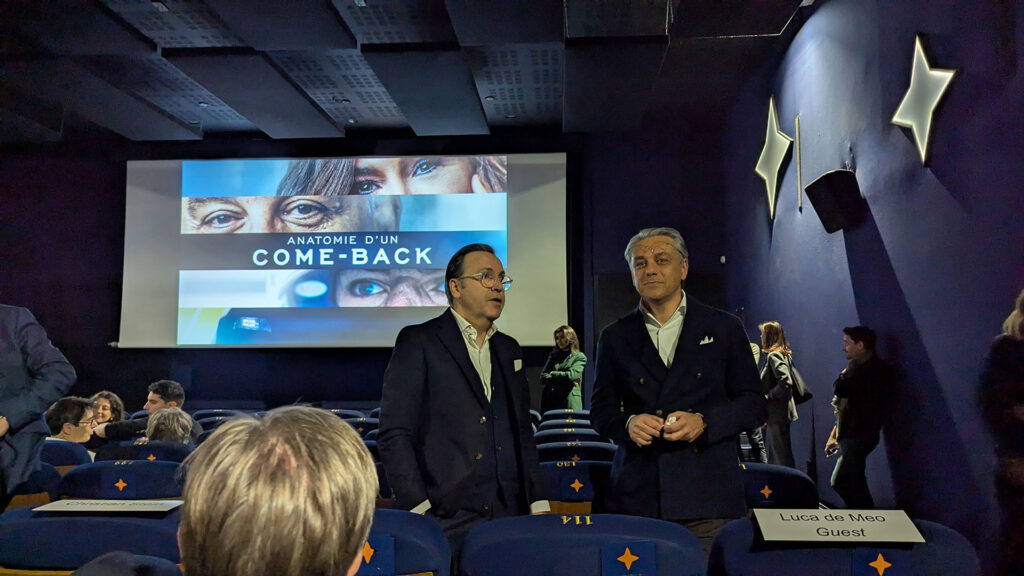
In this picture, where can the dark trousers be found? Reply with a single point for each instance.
(706, 530)
(1010, 495)
(459, 524)
(848, 478)
(780, 447)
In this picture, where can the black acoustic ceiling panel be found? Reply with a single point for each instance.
(292, 25)
(519, 85)
(396, 21)
(249, 84)
(67, 28)
(62, 80)
(506, 22)
(433, 87)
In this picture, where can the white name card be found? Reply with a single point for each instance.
(123, 506)
(849, 526)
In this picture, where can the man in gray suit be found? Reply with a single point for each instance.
(33, 375)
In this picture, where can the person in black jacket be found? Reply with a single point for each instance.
(859, 391)
(1001, 395)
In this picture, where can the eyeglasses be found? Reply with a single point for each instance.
(89, 422)
(488, 279)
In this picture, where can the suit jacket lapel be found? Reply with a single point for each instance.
(689, 338)
(644, 349)
(453, 340)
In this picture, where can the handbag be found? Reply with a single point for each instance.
(801, 393)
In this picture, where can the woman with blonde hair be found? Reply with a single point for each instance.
(562, 374)
(1001, 395)
(777, 385)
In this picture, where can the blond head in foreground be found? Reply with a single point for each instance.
(289, 494)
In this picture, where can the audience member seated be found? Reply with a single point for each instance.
(290, 494)
(107, 407)
(162, 394)
(71, 419)
(170, 425)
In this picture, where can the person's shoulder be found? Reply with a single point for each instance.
(1005, 344)
(624, 322)
(502, 339)
(427, 326)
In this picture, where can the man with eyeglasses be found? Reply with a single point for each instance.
(455, 435)
(71, 419)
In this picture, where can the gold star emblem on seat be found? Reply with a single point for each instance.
(880, 564)
(367, 552)
(575, 458)
(627, 558)
(150, 457)
(767, 491)
(120, 484)
(576, 485)
(927, 85)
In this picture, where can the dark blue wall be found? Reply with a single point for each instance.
(937, 261)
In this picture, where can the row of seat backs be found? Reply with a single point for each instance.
(403, 542)
(228, 412)
(565, 544)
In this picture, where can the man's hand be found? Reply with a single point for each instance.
(643, 427)
(101, 430)
(4, 425)
(685, 426)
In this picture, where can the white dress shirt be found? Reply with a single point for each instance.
(480, 356)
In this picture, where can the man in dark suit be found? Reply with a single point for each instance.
(676, 384)
(455, 435)
(33, 374)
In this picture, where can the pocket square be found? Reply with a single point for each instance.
(517, 364)
(707, 340)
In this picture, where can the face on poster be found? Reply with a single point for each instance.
(329, 232)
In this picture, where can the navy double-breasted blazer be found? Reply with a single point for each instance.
(713, 372)
(33, 375)
(433, 417)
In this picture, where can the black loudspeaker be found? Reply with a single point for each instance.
(836, 198)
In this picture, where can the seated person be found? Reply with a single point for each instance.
(170, 425)
(71, 420)
(162, 394)
(107, 407)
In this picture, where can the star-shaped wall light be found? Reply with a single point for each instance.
(776, 144)
(927, 85)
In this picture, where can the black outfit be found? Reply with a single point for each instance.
(777, 385)
(1001, 391)
(864, 387)
(442, 440)
(132, 429)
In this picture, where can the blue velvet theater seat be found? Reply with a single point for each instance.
(133, 450)
(575, 487)
(580, 545)
(418, 545)
(576, 451)
(568, 435)
(563, 413)
(122, 480)
(739, 550)
(774, 486)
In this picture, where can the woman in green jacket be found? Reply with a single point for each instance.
(562, 375)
